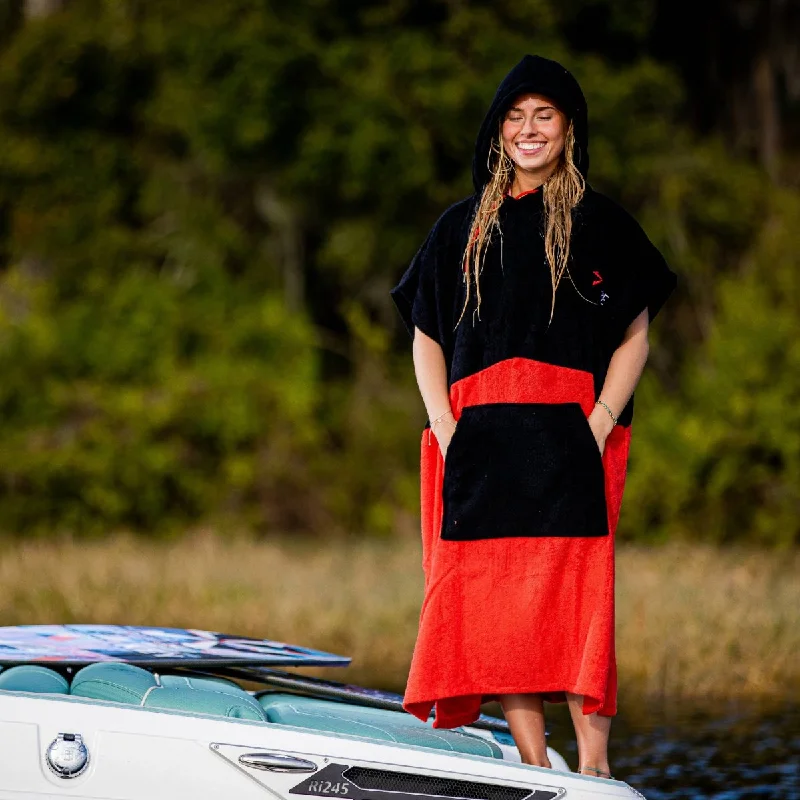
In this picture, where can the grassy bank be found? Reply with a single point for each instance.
(692, 621)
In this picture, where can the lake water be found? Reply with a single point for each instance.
(725, 752)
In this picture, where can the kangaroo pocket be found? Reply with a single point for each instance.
(523, 469)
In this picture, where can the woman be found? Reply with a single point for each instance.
(529, 304)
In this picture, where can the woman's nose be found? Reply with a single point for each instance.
(529, 125)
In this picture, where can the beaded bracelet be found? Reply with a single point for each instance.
(610, 412)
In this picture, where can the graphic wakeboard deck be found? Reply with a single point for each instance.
(78, 645)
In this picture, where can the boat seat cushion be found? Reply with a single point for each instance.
(126, 683)
(31, 678)
(372, 723)
(204, 701)
(112, 680)
(209, 683)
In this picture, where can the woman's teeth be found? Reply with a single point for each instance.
(533, 147)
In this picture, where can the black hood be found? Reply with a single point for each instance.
(540, 76)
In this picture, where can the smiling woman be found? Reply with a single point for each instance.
(533, 132)
(528, 381)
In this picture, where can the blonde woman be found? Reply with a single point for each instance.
(529, 305)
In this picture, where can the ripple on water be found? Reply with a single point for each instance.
(717, 753)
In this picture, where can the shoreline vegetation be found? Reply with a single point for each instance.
(204, 206)
(694, 622)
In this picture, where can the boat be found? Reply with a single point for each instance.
(149, 713)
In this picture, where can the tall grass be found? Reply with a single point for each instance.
(693, 621)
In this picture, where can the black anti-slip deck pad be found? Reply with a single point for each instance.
(77, 645)
(363, 783)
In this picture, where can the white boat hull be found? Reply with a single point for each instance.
(147, 754)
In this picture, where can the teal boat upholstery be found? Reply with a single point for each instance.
(121, 683)
(203, 701)
(126, 683)
(372, 723)
(192, 682)
(30, 678)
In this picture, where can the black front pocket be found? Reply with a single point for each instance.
(523, 469)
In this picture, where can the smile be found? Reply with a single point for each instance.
(529, 148)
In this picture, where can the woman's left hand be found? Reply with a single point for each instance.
(601, 424)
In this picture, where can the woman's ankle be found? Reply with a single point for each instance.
(538, 762)
(535, 759)
(596, 770)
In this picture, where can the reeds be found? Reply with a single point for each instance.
(692, 621)
(699, 621)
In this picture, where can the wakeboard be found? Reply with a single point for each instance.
(78, 645)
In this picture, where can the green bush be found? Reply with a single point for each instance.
(203, 207)
(150, 404)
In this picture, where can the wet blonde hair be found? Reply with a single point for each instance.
(563, 191)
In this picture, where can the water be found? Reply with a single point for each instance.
(724, 753)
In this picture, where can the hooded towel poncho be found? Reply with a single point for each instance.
(518, 527)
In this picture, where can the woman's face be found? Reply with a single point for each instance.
(534, 131)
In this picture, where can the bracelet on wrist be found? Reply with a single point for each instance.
(610, 412)
(441, 418)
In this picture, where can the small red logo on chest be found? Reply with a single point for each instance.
(599, 277)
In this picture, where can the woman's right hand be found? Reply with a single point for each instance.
(444, 433)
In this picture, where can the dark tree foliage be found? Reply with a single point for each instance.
(203, 206)
(740, 62)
